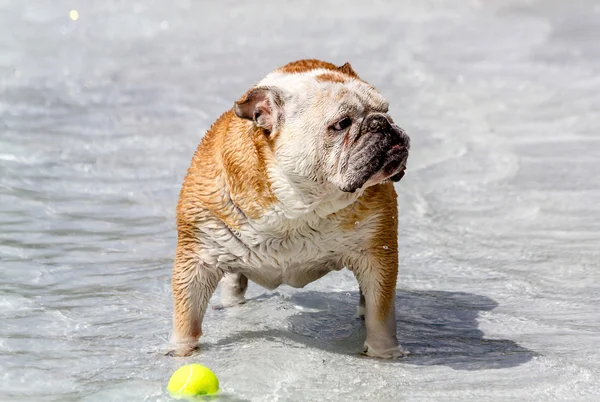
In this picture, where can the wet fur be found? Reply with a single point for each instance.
(243, 214)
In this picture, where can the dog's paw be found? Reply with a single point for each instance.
(229, 303)
(394, 352)
(183, 351)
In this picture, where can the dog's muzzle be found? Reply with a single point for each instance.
(380, 151)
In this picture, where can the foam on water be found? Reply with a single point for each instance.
(499, 283)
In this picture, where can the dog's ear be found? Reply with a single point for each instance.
(263, 105)
(347, 69)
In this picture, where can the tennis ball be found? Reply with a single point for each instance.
(192, 380)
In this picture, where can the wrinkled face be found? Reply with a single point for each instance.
(332, 131)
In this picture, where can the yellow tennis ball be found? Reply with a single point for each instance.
(191, 380)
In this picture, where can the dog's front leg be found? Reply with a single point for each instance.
(376, 274)
(193, 285)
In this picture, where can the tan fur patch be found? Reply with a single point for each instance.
(302, 66)
(331, 77)
(228, 171)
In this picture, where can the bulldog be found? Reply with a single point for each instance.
(293, 182)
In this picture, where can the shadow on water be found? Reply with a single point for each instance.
(437, 328)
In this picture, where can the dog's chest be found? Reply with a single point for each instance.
(297, 242)
(294, 252)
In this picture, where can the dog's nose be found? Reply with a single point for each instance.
(376, 123)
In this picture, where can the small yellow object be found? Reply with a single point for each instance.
(192, 380)
(74, 15)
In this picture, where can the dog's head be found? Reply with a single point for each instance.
(328, 129)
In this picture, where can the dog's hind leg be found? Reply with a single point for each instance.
(233, 289)
(360, 309)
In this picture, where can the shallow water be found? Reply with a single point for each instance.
(499, 285)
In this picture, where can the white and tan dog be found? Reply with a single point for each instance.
(292, 183)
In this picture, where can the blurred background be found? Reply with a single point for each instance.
(102, 104)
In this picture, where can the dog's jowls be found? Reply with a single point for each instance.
(293, 182)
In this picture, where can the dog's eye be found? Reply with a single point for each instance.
(342, 124)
